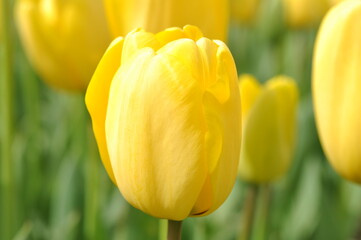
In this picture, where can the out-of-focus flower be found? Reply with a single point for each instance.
(63, 39)
(166, 114)
(244, 11)
(334, 2)
(269, 127)
(304, 13)
(211, 16)
(337, 86)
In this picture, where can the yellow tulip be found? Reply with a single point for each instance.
(244, 11)
(269, 127)
(64, 39)
(154, 16)
(337, 86)
(304, 13)
(166, 114)
(334, 2)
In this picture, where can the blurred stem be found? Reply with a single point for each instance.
(6, 91)
(91, 178)
(174, 230)
(263, 216)
(249, 212)
(163, 226)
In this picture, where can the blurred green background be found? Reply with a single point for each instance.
(53, 185)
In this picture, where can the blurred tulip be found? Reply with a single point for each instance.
(304, 13)
(211, 16)
(166, 107)
(64, 39)
(334, 2)
(337, 87)
(269, 126)
(244, 11)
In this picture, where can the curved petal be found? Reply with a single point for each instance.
(223, 116)
(96, 97)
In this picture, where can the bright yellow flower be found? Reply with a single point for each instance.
(337, 88)
(211, 16)
(64, 39)
(244, 11)
(269, 126)
(166, 108)
(304, 13)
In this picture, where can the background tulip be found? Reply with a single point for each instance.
(304, 13)
(211, 16)
(269, 127)
(64, 39)
(337, 87)
(244, 11)
(166, 108)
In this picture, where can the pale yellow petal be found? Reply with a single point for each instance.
(96, 97)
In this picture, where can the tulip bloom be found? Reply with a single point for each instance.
(64, 40)
(337, 86)
(269, 126)
(154, 16)
(166, 114)
(244, 11)
(304, 13)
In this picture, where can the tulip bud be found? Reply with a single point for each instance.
(304, 13)
(269, 126)
(211, 16)
(63, 39)
(337, 86)
(166, 114)
(244, 11)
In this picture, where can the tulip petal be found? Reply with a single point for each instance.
(155, 130)
(169, 35)
(193, 32)
(177, 49)
(136, 40)
(220, 116)
(250, 90)
(96, 98)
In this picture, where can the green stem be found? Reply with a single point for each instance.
(249, 212)
(91, 176)
(163, 226)
(262, 218)
(6, 89)
(174, 230)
